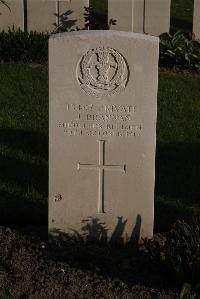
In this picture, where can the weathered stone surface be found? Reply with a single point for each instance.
(157, 16)
(122, 12)
(149, 16)
(71, 14)
(102, 133)
(196, 19)
(138, 16)
(13, 17)
(42, 15)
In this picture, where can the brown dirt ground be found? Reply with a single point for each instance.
(32, 268)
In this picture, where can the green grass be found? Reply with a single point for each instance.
(23, 143)
(179, 108)
(178, 147)
(182, 15)
(24, 146)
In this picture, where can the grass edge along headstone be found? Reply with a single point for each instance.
(102, 134)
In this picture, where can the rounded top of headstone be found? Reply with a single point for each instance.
(108, 33)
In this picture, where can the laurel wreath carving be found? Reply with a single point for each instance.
(102, 59)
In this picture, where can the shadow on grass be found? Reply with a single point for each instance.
(16, 210)
(177, 188)
(27, 141)
(24, 180)
(27, 175)
(178, 171)
(167, 212)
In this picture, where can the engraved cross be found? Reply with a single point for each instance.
(101, 167)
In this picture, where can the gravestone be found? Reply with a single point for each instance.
(48, 15)
(196, 19)
(122, 11)
(42, 15)
(157, 16)
(71, 14)
(149, 16)
(13, 16)
(139, 16)
(102, 133)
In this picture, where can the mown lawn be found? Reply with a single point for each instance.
(178, 146)
(24, 146)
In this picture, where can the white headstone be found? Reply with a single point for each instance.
(138, 16)
(157, 16)
(122, 12)
(196, 19)
(71, 14)
(149, 16)
(42, 15)
(102, 133)
(12, 16)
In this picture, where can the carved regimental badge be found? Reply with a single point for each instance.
(102, 72)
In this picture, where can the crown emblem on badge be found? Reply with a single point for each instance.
(102, 72)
